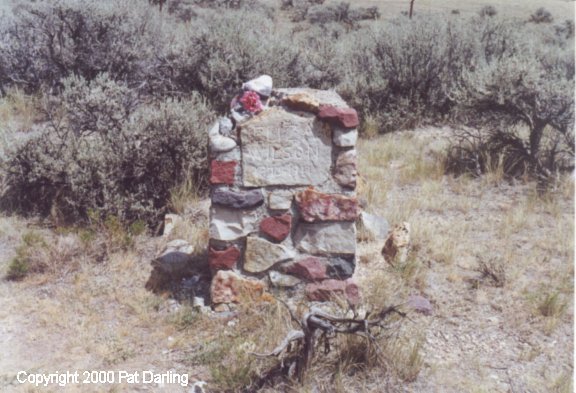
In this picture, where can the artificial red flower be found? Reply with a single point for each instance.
(250, 100)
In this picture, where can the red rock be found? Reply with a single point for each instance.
(328, 289)
(316, 206)
(352, 292)
(277, 227)
(311, 269)
(222, 172)
(345, 117)
(229, 287)
(225, 259)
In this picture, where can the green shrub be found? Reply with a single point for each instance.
(25, 261)
(488, 10)
(47, 41)
(523, 107)
(541, 15)
(245, 45)
(111, 159)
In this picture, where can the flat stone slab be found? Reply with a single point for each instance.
(261, 254)
(323, 97)
(282, 148)
(229, 287)
(237, 199)
(230, 224)
(326, 238)
(317, 206)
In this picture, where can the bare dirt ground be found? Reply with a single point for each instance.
(480, 337)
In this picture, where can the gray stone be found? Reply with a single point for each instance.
(374, 226)
(328, 238)
(261, 85)
(178, 245)
(230, 224)
(420, 304)
(260, 254)
(214, 130)
(278, 279)
(225, 126)
(345, 171)
(221, 143)
(340, 268)
(282, 148)
(345, 138)
(237, 199)
(240, 117)
(280, 199)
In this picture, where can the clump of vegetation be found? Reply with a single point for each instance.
(541, 15)
(524, 117)
(24, 262)
(101, 154)
(488, 10)
(46, 42)
(552, 306)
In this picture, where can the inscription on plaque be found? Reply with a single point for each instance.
(280, 148)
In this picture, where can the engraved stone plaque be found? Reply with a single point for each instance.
(283, 148)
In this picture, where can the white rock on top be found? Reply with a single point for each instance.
(261, 85)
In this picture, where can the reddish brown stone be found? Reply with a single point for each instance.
(344, 117)
(316, 206)
(277, 227)
(222, 172)
(225, 259)
(311, 269)
(328, 289)
(229, 287)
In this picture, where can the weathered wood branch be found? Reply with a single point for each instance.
(317, 327)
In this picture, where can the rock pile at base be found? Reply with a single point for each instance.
(283, 175)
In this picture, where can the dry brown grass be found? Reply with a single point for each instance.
(19, 111)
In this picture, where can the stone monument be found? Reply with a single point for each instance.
(283, 178)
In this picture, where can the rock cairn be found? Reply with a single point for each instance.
(283, 176)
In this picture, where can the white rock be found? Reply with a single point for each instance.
(225, 126)
(329, 238)
(220, 143)
(230, 224)
(214, 130)
(170, 222)
(261, 85)
(178, 245)
(280, 199)
(345, 138)
(283, 280)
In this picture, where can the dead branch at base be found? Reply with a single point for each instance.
(317, 329)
